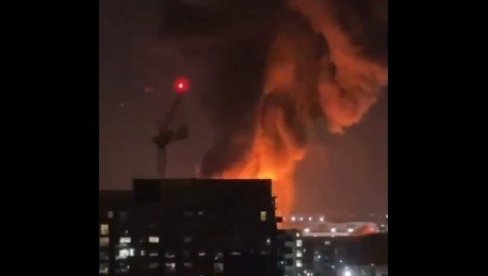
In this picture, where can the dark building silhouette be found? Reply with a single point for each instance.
(189, 227)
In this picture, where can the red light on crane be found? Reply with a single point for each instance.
(181, 85)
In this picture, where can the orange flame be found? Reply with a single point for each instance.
(343, 83)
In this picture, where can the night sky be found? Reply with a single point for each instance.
(139, 58)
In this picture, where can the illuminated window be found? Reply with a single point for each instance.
(326, 242)
(188, 265)
(219, 255)
(235, 253)
(153, 254)
(104, 241)
(299, 243)
(124, 239)
(218, 267)
(268, 241)
(202, 253)
(123, 254)
(153, 265)
(103, 229)
(170, 267)
(110, 214)
(103, 268)
(299, 263)
(263, 215)
(153, 239)
(299, 253)
(132, 252)
(143, 252)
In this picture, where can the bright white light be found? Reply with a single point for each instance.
(347, 272)
(124, 239)
(386, 216)
(299, 263)
(301, 218)
(292, 218)
(340, 261)
(307, 230)
(298, 234)
(153, 239)
(299, 243)
(350, 230)
(321, 219)
(309, 218)
(123, 253)
(333, 230)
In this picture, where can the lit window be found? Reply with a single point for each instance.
(110, 214)
(268, 241)
(200, 213)
(188, 265)
(307, 230)
(124, 239)
(103, 229)
(299, 263)
(169, 267)
(153, 239)
(132, 252)
(123, 254)
(153, 265)
(219, 255)
(263, 215)
(298, 234)
(202, 253)
(153, 254)
(103, 268)
(333, 230)
(299, 243)
(299, 253)
(326, 242)
(235, 253)
(104, 241)
(350, 230)
(143, 252)
(218, 267)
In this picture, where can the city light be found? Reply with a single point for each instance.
(347, 272)
(293, 218)
(307, 230)
(350, 230)
(309, 218)
(333, 230)
(321, 219)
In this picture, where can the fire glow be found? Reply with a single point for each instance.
(341, 83)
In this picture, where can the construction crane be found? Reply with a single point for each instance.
(167, 135)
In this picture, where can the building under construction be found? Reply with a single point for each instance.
(189, 227)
